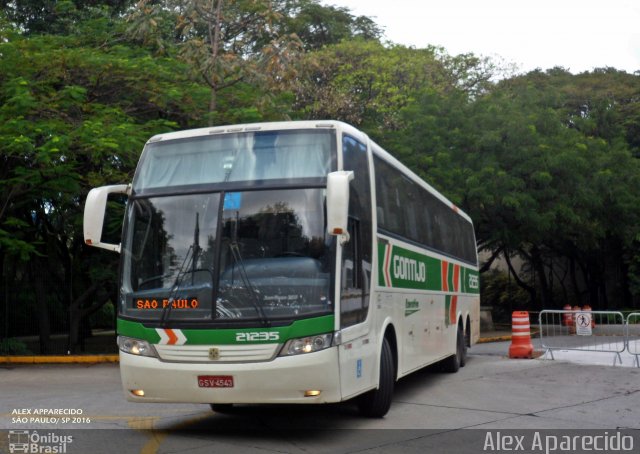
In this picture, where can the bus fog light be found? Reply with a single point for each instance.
(137, 392)
(307, 344)
(136, 346)
(312, 393)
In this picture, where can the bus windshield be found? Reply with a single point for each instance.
(266, 258)
(246, 156)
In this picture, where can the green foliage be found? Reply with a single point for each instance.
(75, 117)
(59, 17)
(13, 346)
(363, 82)
(501, 292)
(75, 112)
(546, 163)
(104, 317)
(320, 25)
(224, 43)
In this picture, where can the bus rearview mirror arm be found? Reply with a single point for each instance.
(94, 211)
(338, 204)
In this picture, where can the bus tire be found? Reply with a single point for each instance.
(376, 403)
(452, 363)
(465, 345)
(222, 408)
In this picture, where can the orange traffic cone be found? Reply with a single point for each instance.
(521, 346)
(587, 308)
(567, 317)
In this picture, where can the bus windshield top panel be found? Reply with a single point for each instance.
(246, 156)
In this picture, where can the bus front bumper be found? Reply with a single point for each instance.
(284, 380)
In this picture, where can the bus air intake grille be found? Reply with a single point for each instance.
(217, 353)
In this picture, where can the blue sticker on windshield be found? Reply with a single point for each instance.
(232, 201)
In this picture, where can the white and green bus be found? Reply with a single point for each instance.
(292, 262)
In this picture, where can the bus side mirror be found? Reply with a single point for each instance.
(338, 203)
(94, 210)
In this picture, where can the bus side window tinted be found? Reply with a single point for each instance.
(350, 262)
(357, 253)
(412, 212)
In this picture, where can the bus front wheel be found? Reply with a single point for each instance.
(222, 408)
(376, 403)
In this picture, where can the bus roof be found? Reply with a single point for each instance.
(252, 127)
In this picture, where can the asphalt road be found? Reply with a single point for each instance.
(432, 411)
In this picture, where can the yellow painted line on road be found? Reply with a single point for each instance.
(148, 424)
(59, 359)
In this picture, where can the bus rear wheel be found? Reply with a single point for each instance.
(467, 342)
(376, 403)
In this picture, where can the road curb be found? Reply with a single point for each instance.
(503, 337)
(484, 340)
(60, 359)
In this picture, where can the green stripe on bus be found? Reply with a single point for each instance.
(402, 268)
(470, 280)
(299, 328)
(137, 330)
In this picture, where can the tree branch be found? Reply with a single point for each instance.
(494, 255)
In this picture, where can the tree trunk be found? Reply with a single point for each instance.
(79, 312)
(75, 317)
(44, 328)
(538, 266)
(530, 289)
(214, 39)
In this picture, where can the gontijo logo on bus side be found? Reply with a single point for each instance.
(402, 268)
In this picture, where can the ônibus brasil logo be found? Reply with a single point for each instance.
(26, 441)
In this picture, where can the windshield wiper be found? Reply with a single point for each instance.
(166, 310)
(194, 249)
(237, 257)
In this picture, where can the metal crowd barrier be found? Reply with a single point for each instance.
(633, 336)
(591, 331)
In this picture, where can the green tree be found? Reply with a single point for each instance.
(75, 113)
(368, 84)
(224, 42)
(363, 82)
(319, 25)
(544, 164)
(54, 16)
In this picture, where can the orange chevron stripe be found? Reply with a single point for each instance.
(445, 276)
(453, 309)
(172, 336)
(456, 278)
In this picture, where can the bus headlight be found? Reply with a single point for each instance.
(136, 346)
(307, 344)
